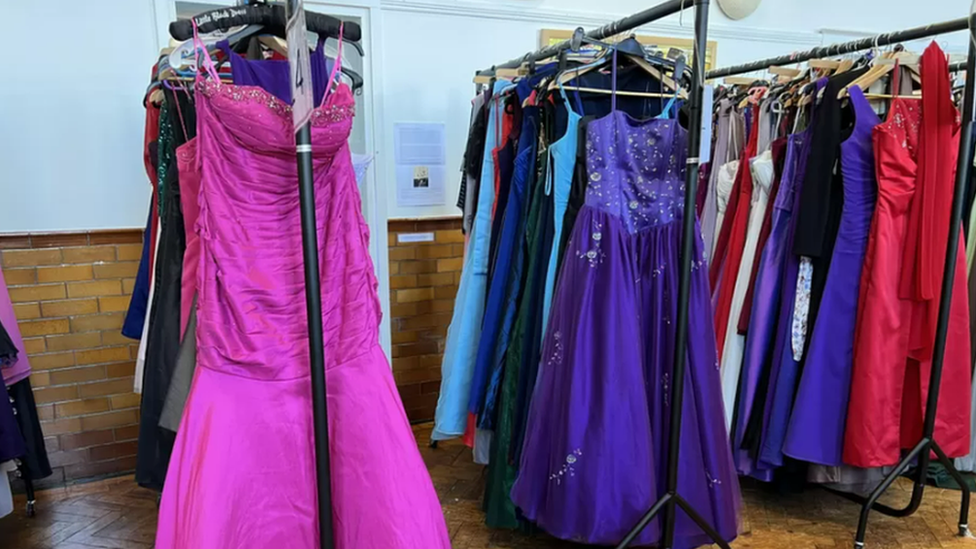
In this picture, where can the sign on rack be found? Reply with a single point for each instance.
(298, 63)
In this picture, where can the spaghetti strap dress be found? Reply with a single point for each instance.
(595, 448)
(242, 474)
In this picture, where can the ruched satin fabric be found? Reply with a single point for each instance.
(242, 474)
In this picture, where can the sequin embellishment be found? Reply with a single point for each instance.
(568, 467)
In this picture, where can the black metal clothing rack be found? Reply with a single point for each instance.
(922, 451)
(274, 17)
(671, 500)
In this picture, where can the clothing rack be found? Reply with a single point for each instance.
(923, 450)
(669, 503)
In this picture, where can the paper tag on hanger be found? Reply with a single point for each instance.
(705, 147)
(298, 63)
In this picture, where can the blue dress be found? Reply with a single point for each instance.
(559, 182)
(463, 335)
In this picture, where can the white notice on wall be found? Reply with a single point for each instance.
(420, 158)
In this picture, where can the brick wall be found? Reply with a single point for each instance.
(424, 278)
(71, 291)
(70, 294)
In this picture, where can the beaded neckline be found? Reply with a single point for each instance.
(331, 112)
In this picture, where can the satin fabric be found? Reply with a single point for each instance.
(757, 358)
(783, 369)
(243, 469)
(460, 350)
(731, 361)
(19, 369)
(720, 156)
(889, 382)
(778, 149)
(562, 159)
(600, 413)
(816, 431)
(731, 244)
(500, 312)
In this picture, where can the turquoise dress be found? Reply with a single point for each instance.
(559, 181)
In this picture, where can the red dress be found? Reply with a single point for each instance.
(915, 157)
(732, 239)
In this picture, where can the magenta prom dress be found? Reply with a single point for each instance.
(242, 474)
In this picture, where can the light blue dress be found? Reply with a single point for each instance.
(559, 182)
(460, 352)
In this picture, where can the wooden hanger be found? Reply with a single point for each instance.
(845, 66)
(738, 81)
(823, 64)
(784, 71)
(274, 43)
(880, 68)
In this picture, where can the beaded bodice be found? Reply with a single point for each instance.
(636, 169)
(260, 121)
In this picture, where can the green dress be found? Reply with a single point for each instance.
(503, 466)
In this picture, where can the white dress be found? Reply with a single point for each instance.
(731, 360)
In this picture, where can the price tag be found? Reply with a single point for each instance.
(298, 63)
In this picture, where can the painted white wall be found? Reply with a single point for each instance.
(71, 115)
(433, 47)
(71, 118)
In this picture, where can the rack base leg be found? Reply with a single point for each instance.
(921, 451)
(31, 507)
(950, 467)
(677, 500)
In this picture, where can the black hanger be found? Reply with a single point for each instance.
(271, 17)
(262, 18)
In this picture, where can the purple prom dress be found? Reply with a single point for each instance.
(595, 446)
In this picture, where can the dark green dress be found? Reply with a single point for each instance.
(523, 348)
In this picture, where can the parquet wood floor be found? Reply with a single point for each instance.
(117, 514)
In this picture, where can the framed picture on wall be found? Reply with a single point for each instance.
(662, 43)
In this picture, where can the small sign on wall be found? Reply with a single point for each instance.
(420, 164)
(414, 237)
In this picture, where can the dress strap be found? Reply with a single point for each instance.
(666, 111)
(896, 79)
(566, 103)
(335, 67)
(613, 83)
(199, 46)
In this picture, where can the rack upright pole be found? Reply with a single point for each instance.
(313, 304)
(672, 500)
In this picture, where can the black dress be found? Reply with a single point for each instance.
(822, 196)
(163, 344)
(34, 464)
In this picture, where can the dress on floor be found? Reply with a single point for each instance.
(242, 474)
(599, 416)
